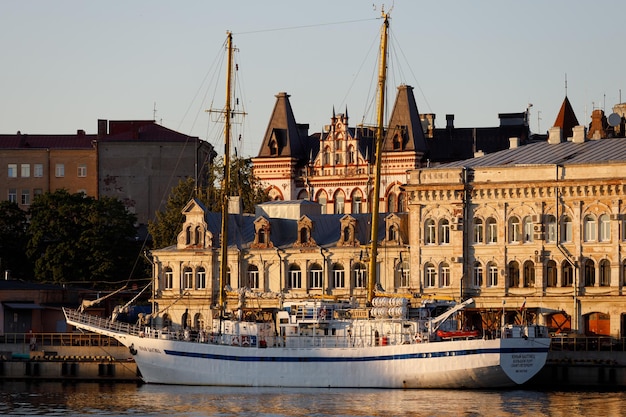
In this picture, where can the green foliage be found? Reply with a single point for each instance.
(168, 223)
(13, 239)
(76, 238)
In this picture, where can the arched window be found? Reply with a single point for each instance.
(200, 278)
(252, 277)
(513, 274)
(492, 275)
(391, 203)
(528, 227)
(360, 275)
(605, 273)
(492, 230)
(444, 231)
(605, 228)
(351, 159)
(187, 278)
(590, 273)
(430, 276)
(339, 277)
(551, 280)
(477, 276)
(326, 156)
(590, 228)
(198, 321)
(304, 235)
(340, 202)
(444, 275)
(429, 232)
(566, 229)
(397, 143)
(514, 230)
(529, 274)
(295, 277)
(550, 229)
(402, 202)
(567, 274)
(478, 230)
(168, 278)
(188, 235)
(357, 201)
(261, 236)
(403, 275)
(392, 234)
(197, 234)
(315, 276)
(273, 147)
(322, 199)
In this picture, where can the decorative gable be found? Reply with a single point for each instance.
(305, 233)
(348, 232)
(195, 233)
(262, 238)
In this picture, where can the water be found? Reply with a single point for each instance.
(58, 399)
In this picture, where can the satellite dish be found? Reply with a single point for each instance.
(614, 119)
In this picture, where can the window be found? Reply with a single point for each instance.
(605, 228)
(339, 280)
(444, 232)
(360, 276)
(477, 277)
(339, 203)
(429, 232)
(25, 170)
(356, 205)
(605, 273)
(529, 274)
(316, 274)
(169, 279)
(529, 229)
(513, 274)
(430, 276)
(201, 278)
(38, 170)
(252, 277)
(402, 202)
(82, 170)
(589, 228)
(492, 230)
(12, 195)
(322, 200)
(444, 275)
(391, 203)
(567, 275)
(478, 230)
(590, 273)
(551, 274)
(295, 277)
(59, 170)
(37, 191)
(514, 230)
(12, 173)
(550, 229)
(492, 275)
(25, 197)
(566, 230)
(187, 278)
(403, 275)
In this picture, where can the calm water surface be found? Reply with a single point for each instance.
(57, 399)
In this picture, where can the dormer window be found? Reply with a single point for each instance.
(273, 147)
(348, 232)
(305, 228)
(393, 230)
(262, 234)
(397, 143)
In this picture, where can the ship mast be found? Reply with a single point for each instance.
(382, 75)
(226, 179)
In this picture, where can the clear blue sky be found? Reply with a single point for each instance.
(67, 63)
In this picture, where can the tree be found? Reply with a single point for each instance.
(169, 223)
(76, 238)
(13, 240)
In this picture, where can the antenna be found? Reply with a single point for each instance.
(154, 111)
(565, 84)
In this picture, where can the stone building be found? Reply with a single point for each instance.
(537, 231)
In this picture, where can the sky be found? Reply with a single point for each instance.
(67, 63)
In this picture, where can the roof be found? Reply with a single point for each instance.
(589, 152)
(20, 140)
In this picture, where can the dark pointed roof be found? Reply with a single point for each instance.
(284, 130)
(405, 118)
(566, 119)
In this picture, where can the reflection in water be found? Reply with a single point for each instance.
(51, 399)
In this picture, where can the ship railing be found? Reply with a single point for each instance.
(101, 323)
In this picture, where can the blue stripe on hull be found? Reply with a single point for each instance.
(356, 359)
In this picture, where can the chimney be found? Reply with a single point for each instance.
(554, 135)
(103, 128)
(513, 143)
(578, 134)
(449, 121)
(80, 133)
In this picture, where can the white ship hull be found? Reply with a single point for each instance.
(471, 363)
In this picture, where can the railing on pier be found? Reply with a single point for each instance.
(58, 339)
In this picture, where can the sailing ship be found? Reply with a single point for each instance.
(391, 342)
